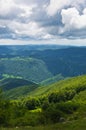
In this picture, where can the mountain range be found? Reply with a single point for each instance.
(42, 85)
(38, 63)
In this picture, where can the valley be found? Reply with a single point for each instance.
(42, 65)
(42, 88)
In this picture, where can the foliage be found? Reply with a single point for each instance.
(61, 96)
(32, 103)
(57, 106)
(38, 65)
(28, 68)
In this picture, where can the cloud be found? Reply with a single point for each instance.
(74, 22)
(42, 19)
(29, 29)
(9, 10)
(71, 16)
(72, 19)
(22, 17)
(55, 5)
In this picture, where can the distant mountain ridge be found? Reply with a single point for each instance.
(68, 62)
(15, 88)
(28, 68)
(10, 83)
(40, 62)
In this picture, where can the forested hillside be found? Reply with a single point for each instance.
(68, 62)
(28, 68)
(38, 87)
(62, 102)
(41, 63)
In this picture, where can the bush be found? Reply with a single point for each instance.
(62, 95)
(32, 103)
(52, 114)
(67, 107)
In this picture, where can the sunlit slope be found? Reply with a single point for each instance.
(75, 85)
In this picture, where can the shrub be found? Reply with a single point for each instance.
(67, 107)
(62, 95)
(32, 103)
(52, 114)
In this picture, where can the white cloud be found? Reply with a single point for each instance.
(55, 5)
(10, 9)
(42, 19)
(6, 6)
(30, 29)
(72, 19)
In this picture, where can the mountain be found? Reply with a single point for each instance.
(63, 102)
(4, 50)
(36, 47)
(42, 62)
(52, 80)
(70, 84)
(24, 102)
(75, 83)
(15, 88)
(28, 68)
(7, 51)
(67, 62)
(11, 83)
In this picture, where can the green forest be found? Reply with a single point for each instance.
(61, 103)
(42, 89)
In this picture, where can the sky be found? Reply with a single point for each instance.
(43, 22)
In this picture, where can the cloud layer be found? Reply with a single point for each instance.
(42, 19)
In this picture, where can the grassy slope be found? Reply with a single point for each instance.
(19, 92)
(68, 83)
(71, 83)
(52, 80)
(72, 124)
